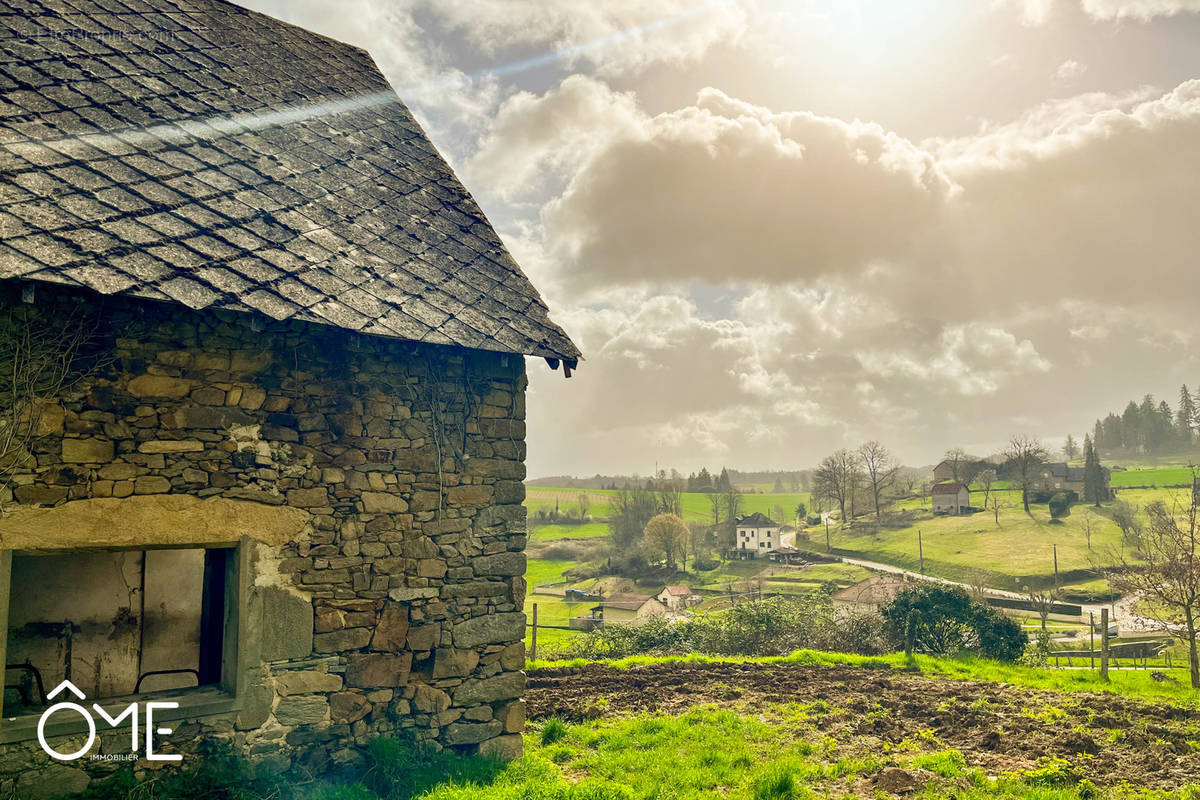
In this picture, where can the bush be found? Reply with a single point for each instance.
(1060, 504)
(944, 620)
(768, 627)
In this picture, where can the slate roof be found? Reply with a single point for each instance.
(950, 487)
(628, 601)
(757, 520)
(194, 152)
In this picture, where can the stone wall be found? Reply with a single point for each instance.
(378, 488)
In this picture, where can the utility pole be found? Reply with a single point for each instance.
(921, 550)
(1104, 644)
(1055, 566)
(533, 640)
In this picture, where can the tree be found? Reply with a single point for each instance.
(631, 509)
(801, 511)
(1093, 473)
(1087, 526)
(1125, 517)
(668, 535)
(1025, 455)
(778, 486)
(1185, 417)
(944, 620)
(731, 504)
(836, 478)
(986, 478)
(1169, 572)
(880, 470)
(1070, 448)
(700, 541)
(1043, 602)
(957, 457)
(585, 503)
(996, 507)
(722, 483)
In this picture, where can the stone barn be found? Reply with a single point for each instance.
(262, 399)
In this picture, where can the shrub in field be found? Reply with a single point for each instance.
(772, 626)
(944, 620)
(1060, 504)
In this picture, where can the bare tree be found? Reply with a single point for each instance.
(1169, 571)
(584, 504)
(1043, 602)
(1087, 526)
(836, 479)
(880, 468)
(731, 504)
(986, 478)
(1026, 455)
(996, 507)
(41, 359)
(957, 458)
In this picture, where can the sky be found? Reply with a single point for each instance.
(780, 227)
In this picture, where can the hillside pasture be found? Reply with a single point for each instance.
(1017, 551)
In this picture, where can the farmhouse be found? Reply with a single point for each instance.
(964, 470)
(630, 608)
(1058, 476)
(756, 535)
(677, 597)
(951, 498)
(269, 462)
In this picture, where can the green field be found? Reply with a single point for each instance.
(966, 547)
(1153, 476)
(696, 505)
(543, 533)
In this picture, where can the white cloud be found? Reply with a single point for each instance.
(1069, 70)
(1141, 10)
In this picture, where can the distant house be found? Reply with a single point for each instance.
(963, 471)
(629, 608)
(870, 594)
(756, 535)
(1057, 476)
(951, 498)
(677, 597)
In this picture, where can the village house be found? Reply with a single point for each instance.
(756, 535)
(677, 597)
(964, 471)
(271, 465)
(629, 608)
(1057, 476)
(951, 498)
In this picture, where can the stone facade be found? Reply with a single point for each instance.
(374, 485)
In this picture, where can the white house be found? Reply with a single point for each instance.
(677, 597)
(951, 498)
(756, 535)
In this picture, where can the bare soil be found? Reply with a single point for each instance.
(998, 727)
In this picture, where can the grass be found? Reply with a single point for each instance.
(1153, 476)
(696, 505)
(1019, 550)
(539, 532)
(711, 753)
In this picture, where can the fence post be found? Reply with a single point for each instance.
(1092, 637)
(1104, 644)
(533, 642)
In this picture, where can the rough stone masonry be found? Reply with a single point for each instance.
(377, 485)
